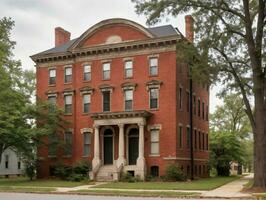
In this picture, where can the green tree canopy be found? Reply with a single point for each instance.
(229, 46)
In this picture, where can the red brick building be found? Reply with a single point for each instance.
(127, 95)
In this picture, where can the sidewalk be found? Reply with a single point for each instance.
(230, 190)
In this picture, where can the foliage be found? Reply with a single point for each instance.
(174, 173)
(30, 168)
(230, 136)
(229, 47)
(78, 172)
(225, 148)
(127, 177)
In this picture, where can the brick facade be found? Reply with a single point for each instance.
(116, 41)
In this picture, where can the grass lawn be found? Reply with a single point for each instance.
(202, 184)
(39, 183)
(26, 189)
(136, 193)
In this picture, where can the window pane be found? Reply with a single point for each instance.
(106, 101)
(68, 99)
(68, 143)
(52, 100)
(86, 98)
(129, 94)
(155, 148)
(52, 73)
(106, 75)
(106, 67)
(87, 138)
(153, 66)
(128, 105)
(154, 93)
(86, 143)
(154, 62)
(68, 71)
(154, 136)
(87, 68)
(180, 136)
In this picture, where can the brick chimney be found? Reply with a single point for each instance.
(189, 28)
(61, 36)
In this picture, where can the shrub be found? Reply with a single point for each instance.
(174, 173)
(127, 177)
(78, 172)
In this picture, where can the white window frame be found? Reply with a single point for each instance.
(126, 68)
(155, 66)
(157, 142)
(106, 64)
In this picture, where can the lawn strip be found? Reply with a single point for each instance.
(135, 193)
(202, 184)
(41, 182)
(27, 189)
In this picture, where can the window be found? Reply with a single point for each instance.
(68, 104)
(153, 66)
(203, 110)
(154, 98)
(207, 113)
(195, 139)
(106, 71)
(86, 143)
(180, 133)
(203, 141)
(19, 164)
(128, 99)
(199, 107)
(154, 171)
(188, 137)
(199, 133)
(180, 98)
(199, 169)
(154, 142)
(196, 170)
(207, 142)
(86, 103)
(188, 101)
(68, 143)
(68, 74)
(52, 76)
(194, 105)
(128, 68)
(6, 161)
(86, 72)
(106, 101)
(52, 145)
(52, 103)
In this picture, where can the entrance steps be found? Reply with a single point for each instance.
(106, 173)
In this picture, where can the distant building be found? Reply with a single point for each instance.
(127, 95)
(11, 164)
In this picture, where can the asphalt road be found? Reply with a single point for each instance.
(28, 196)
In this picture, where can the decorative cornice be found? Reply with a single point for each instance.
(128, 86)
(106, 49)
(86, 89)
(117, 115)
(106, 87)
(154, 84)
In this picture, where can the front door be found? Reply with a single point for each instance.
(108, 147)
(133, 146)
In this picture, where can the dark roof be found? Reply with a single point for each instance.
(159, 31)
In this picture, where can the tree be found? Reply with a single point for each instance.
(230, 37)
(18, 113)
(230, 132)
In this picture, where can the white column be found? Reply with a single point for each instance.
(96, 158)
(141, 159)
(121, 148)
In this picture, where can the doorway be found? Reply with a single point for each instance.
(133, 146)
(108, 147)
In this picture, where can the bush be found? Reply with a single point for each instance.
(127, 177)
(78, 172)
(174, 173)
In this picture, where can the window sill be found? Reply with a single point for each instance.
(51, 85)
(68, 114)
(154, 155)
(85, 114)
(86, 81)
(106, 79)
(52, 156)
(67, 156)
(86, 156)
(155, 75)
(68, 83)
(128, 77)
(154, 109)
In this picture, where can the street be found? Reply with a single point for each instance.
(28, 196)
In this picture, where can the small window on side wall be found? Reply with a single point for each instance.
(87, 72)
(86, 143)
(153, 62)
(52, 76)
(154, 171)
(86, 103)
(155, 142)
(68, 74)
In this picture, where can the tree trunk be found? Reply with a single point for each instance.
(259, 137)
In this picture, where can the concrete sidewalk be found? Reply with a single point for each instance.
(230, 190)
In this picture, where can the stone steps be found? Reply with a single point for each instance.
(106, 173)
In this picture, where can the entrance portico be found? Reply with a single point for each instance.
(131, 160)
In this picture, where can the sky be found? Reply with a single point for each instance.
(35, 21)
